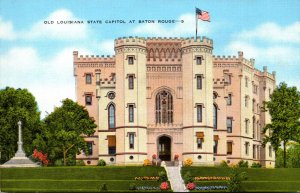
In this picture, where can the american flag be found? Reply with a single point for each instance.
(203, 15)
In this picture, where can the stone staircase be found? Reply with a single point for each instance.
(174, 176)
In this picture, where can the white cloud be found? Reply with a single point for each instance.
(40, 30)
(58, 31)
(273, 32)
(107, 47)
(274, 46)
(271, 54)
(178, 29)
(6, 30)
(49, 79)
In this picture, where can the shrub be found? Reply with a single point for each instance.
(236, 178)
(190, 186)
(103, 188)
(147, 162)
(101, 162)
(243, 164)
(132, 186)
(80, 163)
(256, 165)
(164, 186)
(58, 162)
(188, 162)
(163, 176)
(41, 157)
(187, 178)
(224, 164)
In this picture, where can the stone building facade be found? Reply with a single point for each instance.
(172, 96)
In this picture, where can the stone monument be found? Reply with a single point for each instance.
(20, 159)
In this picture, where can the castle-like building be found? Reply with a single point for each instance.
(171, 96)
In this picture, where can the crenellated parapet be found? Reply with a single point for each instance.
(92, 58)
(228, 61)
(199, 44)
(137, 43)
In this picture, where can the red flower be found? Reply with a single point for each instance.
(154, 156)
(176, 156)
(164, 186)
(191, 186)
(40, 156)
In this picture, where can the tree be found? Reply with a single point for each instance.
(284, 109)
(15, 105)
(63, 131)
(292, 156)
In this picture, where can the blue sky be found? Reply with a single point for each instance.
(37, 56)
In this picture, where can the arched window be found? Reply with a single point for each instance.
(164, 107)
(111, 116)
(215, 116)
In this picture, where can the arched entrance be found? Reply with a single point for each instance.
(164, 148)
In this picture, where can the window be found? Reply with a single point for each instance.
(246, 126)
(253, 105)
(254, 151)
(88, 99)
(111, 144)
(227, 79)
(216, 139)
(88, 78)
(111, 116)
(253, 128)
(257, 106)
(255, 87)
(131, 140)
(215, 95)
(270, 151)
(199, 81)
(130, 81)
(131, 113)
(246, 81)
(229, 124)
(199, 60)
(200, 139)
(199, 113)
(229, 99)
(90, 148)
(258, 130)
(130, 60)
(269, 92)
(229, 147)
(246, 100)
(164, 107)
(215, 116)
(247, 148)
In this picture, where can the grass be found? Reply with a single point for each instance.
(75, 179)
(259, 179)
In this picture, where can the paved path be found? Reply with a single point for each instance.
(175, 179)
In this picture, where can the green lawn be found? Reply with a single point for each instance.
(75, 179)
(259, 179)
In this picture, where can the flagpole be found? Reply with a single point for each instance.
(196, 21)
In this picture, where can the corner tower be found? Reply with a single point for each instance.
(197, 100)
(131, 105)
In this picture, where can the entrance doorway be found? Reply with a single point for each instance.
(164, 148)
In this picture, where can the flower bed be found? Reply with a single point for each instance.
(202, 178)
(147, 188)
(211, 187)
(147, 178)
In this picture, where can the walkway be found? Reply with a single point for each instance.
(174, 176)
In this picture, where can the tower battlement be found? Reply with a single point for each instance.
(199, 41)
(93, 58)
(133, 41)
